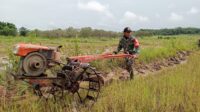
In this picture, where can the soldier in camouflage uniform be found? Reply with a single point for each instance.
(130, 45)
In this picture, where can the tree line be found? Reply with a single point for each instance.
(73, 32)
(174, 31)
(9, 29)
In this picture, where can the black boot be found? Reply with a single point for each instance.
(131, 75)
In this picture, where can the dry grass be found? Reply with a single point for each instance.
(175, 89)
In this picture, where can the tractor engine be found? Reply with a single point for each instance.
(35, 59)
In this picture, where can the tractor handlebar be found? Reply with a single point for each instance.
(90, 58)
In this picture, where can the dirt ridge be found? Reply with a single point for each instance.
(141, 68)
(180, 57)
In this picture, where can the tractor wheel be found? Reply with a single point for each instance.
(88, 86)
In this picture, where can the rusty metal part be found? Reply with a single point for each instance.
(89, 85)
(54, 91)
(79, 79)
(34, 64)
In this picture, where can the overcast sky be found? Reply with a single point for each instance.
(101, 14)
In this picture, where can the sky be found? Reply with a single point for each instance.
(111, 15)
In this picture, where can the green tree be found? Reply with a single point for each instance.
(86, 32)
(23, 31)
(8, 29)
(71, 32)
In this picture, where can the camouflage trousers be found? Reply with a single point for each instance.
(129, 66)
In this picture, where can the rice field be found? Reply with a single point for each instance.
(172, 89)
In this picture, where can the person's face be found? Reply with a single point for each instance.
(127, 34)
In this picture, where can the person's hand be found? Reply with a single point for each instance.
(126, 52)
(135, 56)
(115, 52)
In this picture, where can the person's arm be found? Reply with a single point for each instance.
(119, 47)
(137, 50)
(136, 46)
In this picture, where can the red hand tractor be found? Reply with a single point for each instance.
(76, 76)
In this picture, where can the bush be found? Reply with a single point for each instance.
(23, 31)
(8, 29)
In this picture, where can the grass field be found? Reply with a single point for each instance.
(151, 47)
(173, 89)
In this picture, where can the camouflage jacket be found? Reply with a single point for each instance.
(130, 45)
